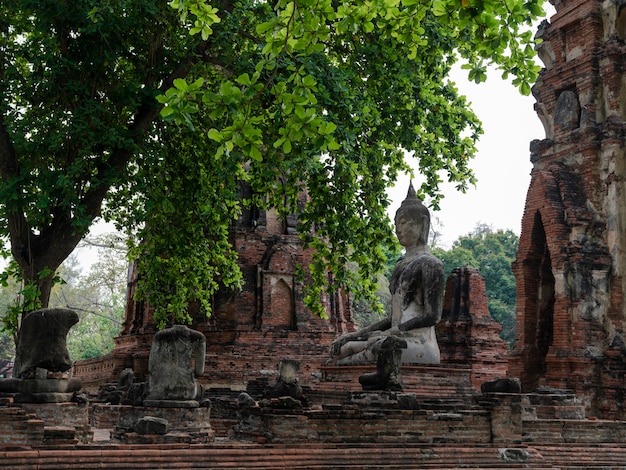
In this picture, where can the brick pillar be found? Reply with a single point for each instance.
(467, 335)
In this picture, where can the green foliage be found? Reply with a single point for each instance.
(334, 99)
(187, 202)
(492, 253)
(9, 292)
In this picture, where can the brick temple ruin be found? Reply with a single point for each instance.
(569, 350)
(570, 265)
(247, 330)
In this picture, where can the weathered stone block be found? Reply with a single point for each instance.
(151, 425)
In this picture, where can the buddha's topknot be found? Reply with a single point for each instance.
(412, 206)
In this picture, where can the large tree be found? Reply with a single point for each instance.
(150, 113)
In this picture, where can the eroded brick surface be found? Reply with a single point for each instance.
(569, 268)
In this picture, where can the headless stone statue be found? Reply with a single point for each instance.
(287, 383)
(42, 359)
(41, 342)
(417, 286)
(172, 376)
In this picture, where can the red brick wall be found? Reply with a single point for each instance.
(570, 321)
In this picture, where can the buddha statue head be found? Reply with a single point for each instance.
(412, 220)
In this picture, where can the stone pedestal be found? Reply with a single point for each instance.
(425, 380)
(184, 425)
(40, 390)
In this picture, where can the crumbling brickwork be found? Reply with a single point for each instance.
(467, 334)
(249, 331)
(571, 259)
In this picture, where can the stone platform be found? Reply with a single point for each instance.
(186, 425)
(352, 430)
(426, 380)
(65, 423)
(36, 424)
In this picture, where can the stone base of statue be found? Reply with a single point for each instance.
(171, 403)
(55, 402)
(41, 390)
(46, 397)
(64, 422)
(287, 384)
(176, 425)
(436, 381)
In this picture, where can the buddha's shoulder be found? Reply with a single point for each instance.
(425, 261)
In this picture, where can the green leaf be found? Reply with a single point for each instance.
(244, 79)
(330, 127)
(255, 154)
(215, 135)
(439, 8)
(181, 84)
(308, 81)
(264, 27)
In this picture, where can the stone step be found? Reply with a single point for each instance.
(18, 427)
(313, 456)
(59, 435)
(605, 456)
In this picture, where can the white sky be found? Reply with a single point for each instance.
(502, 165)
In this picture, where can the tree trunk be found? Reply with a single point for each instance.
(39, 256)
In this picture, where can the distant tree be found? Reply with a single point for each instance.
(8, 298)
(492, 252)
(98, 297)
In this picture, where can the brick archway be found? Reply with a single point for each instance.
(537, 266)
(538, 324)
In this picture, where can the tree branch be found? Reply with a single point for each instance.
(116, 162)
(8, 159)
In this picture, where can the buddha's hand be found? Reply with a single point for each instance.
(394, 331)
(335, 347)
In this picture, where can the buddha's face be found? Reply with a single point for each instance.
(409, 231)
